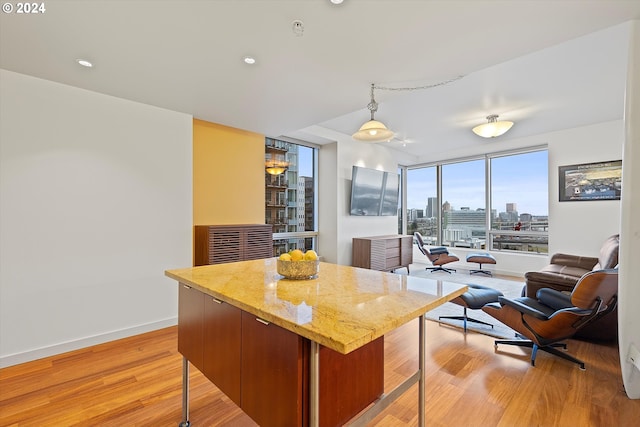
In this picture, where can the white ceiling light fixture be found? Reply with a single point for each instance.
(84, 63)
(493, 127)
(249, 60)
(337, 1)
(373, 130)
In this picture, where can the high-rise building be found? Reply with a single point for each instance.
(432, 203)
(512, 207)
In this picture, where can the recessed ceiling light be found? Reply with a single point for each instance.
(337, 1)
(249, 60)
(84, 63)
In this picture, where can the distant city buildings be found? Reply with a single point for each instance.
(466, 227)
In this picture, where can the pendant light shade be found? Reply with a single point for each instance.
(493, 128)
(373, 130)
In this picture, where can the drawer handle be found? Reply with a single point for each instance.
(216, 300)
(186, 286)
(264, 322)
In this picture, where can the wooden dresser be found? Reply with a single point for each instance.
(384, 253)
(217, 244)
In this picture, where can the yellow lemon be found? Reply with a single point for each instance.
(310, 255)
(285, 257)
(296, 255)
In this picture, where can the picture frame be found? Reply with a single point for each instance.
(590, 181)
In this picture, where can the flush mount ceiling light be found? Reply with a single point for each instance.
(249, 60)
(337, 1)
(373, 130)
(493, 128)
(84, 63)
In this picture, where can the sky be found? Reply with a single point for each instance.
(520, 179)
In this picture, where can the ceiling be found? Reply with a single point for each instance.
(546, 65)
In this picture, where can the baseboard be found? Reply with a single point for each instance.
(28, 356)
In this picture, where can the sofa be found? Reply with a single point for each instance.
(562, 274)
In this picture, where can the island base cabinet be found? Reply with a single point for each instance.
(264, 368)
(190, 324)
(349, 382)
(221, 346)
(272, 369)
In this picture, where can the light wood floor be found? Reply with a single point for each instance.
(137, 382)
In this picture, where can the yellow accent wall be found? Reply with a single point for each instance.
(228, 175)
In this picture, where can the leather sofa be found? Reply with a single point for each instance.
(563, 273)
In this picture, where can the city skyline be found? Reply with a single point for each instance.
(520, 179)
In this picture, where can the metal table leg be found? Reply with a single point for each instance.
(314, 384)
(421, 367)
(185, 393)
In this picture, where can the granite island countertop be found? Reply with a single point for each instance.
(342, 308)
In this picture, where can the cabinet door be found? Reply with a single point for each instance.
(222, 336)
(190, 317)
(272, 374)
(350, 382)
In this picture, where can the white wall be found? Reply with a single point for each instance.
(96, 204)
(580, 228)
(629, 290)
(338, 160)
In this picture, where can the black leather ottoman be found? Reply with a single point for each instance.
(475, 298)
(481, 258)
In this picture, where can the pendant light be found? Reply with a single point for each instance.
(493, 128)
(373, 130)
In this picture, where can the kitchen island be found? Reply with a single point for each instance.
(300, 352)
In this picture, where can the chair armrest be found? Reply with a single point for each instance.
(519, 305)
(584, 262)
(554, 299)
(439, 250)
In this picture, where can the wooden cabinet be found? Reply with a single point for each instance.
(190, 324)
(217, 244)
(264, 368)
(384, 253)
(222, 346)
(272, 373)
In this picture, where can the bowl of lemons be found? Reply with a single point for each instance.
(298, 265)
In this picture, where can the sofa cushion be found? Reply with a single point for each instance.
(608, 257)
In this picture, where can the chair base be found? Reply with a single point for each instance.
(551, 348)
(465, 320)
(487, 272)
(439, 268)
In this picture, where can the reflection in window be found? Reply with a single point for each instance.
(290, 197)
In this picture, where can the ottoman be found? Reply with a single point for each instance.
(481, 258)
(475, 298)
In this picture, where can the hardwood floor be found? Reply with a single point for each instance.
(137, 382)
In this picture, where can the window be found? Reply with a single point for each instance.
(519, 198)
(422, 203)
(290, 197)
(504, 210)
(464, 217)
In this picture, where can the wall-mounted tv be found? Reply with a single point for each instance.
(374, 192)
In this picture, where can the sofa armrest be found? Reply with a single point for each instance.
(536, 280)
(584, 262)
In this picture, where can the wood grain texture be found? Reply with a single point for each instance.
(136, 381)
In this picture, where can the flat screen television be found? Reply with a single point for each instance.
(374, 192)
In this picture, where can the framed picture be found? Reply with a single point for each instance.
(590, 181)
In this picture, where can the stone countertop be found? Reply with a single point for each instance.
(342, 308)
